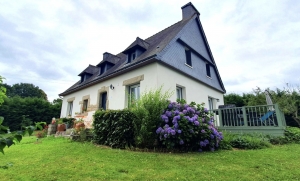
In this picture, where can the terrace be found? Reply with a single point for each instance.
(267, 119)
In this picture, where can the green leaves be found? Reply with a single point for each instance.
(114, 128)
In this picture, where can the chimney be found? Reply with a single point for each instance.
(105, 55)
(188, 11)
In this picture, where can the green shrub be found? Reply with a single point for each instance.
(147, 111)
(114, 128)
(292, 134)
(245, 141)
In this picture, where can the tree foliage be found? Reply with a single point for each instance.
(2, 90)
(20, 112)
(25, 90)
(287, 98)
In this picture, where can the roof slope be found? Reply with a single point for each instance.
(154, 46)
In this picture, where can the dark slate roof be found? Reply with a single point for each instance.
(110, 58)
(91, 69)
(137, 43)
(155, 43)
(152, 46)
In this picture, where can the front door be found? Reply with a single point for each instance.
(103, 100)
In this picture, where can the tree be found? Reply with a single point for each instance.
(234, 99)
(25, 90)
(2, 90)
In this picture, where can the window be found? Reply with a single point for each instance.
(188, 55)
(208, 70)
(179, 92)
(134, 93)
(85, 105)
(133, 56)
(103, 100)
(70, 108)
(210, 103)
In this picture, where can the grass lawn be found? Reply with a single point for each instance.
(61, 159)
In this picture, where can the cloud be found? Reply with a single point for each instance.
(47, 43)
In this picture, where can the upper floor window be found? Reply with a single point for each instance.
(188, 55)
(208, 70)
(131, 56)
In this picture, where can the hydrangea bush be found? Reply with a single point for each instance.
(188, 127)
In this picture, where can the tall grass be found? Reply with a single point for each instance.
(148, 110)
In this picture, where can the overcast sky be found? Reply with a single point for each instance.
(48, 43)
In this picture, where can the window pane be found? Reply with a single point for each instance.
(179, 92)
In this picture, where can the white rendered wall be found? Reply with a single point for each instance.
(155, 75)
(117, 96)
(194, 90)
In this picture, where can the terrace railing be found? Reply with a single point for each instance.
(263, 117)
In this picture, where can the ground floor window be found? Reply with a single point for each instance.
(134, 93)
(70, 108)
(210, 103)
(85, 105)
(103, 100)
(179, 92)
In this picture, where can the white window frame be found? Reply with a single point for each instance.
(211, 103)
(85, 105)
(179, 90)
(70, 108)
(136, 92)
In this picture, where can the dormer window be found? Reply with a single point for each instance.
(133, 56)
(136, 48)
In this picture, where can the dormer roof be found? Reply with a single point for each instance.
(91, 69)
(108, 57)
(138, 43)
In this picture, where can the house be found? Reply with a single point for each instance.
(178, 57)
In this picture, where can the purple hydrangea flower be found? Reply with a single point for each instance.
(168, 113)
(170, 106)
(179, 131)
(206, 141)
(158, 130)
(205, 110)
(166, 126)
(176, 125)
(203, 131)
(184, 111)
(212, 149)
(196, 123)
(165, 135)
(212, 136)
(186, 106)
(181, 142)
(202, 144)
(173, 132)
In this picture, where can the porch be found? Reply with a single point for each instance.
(266, 119)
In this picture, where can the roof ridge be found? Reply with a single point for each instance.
(163, 30)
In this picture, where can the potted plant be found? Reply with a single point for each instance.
(78, 124)
(60, 125)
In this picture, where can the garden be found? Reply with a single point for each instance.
(154, 139)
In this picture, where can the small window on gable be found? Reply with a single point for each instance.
(188, 55)
(179, 92)
(208, 70)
